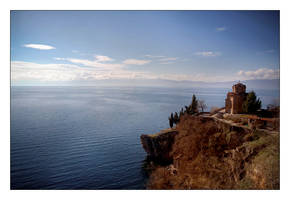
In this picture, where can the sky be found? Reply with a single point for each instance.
(79, 47)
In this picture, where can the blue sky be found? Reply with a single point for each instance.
(86, 46)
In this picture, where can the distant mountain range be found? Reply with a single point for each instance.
(251, 84)
(273, 84)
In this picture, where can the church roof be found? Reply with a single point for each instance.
(239, 84)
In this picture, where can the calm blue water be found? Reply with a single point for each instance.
(89, 137)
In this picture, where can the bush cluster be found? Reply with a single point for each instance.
(192, 109)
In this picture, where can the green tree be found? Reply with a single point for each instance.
(171, 116)
(170, 122)
(193, 106)
(181, 113)
(252, 104)
(191, 109)
(186, 109)
(176, 118)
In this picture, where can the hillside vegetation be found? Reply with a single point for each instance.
(206, 156)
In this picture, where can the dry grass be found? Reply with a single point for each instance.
(206, 158)
(214, 109)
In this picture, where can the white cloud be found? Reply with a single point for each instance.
(93, 63)
(39, 46)
(151, 56)
(100, 58)
(162, 59)
(168, 59)
(57, 58)
(136, 62)
(99, 62)
(45, 72)
(262, 73)
(219, 29)
(207, 53)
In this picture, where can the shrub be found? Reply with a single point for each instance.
(191, 109)
(176, 118)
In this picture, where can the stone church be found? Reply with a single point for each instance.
(235, 99)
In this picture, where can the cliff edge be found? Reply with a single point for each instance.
(158, 146)
(205, 153)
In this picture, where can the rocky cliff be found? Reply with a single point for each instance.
(206, 153)
(159, 145)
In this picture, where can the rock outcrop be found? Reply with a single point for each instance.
(159, 145)
(209, 153)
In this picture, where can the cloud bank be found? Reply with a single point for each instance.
(92, 70)
(262, 73)
(104, 67)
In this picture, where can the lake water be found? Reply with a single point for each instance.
(89, 137)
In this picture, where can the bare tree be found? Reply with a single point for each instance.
(201, 105)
